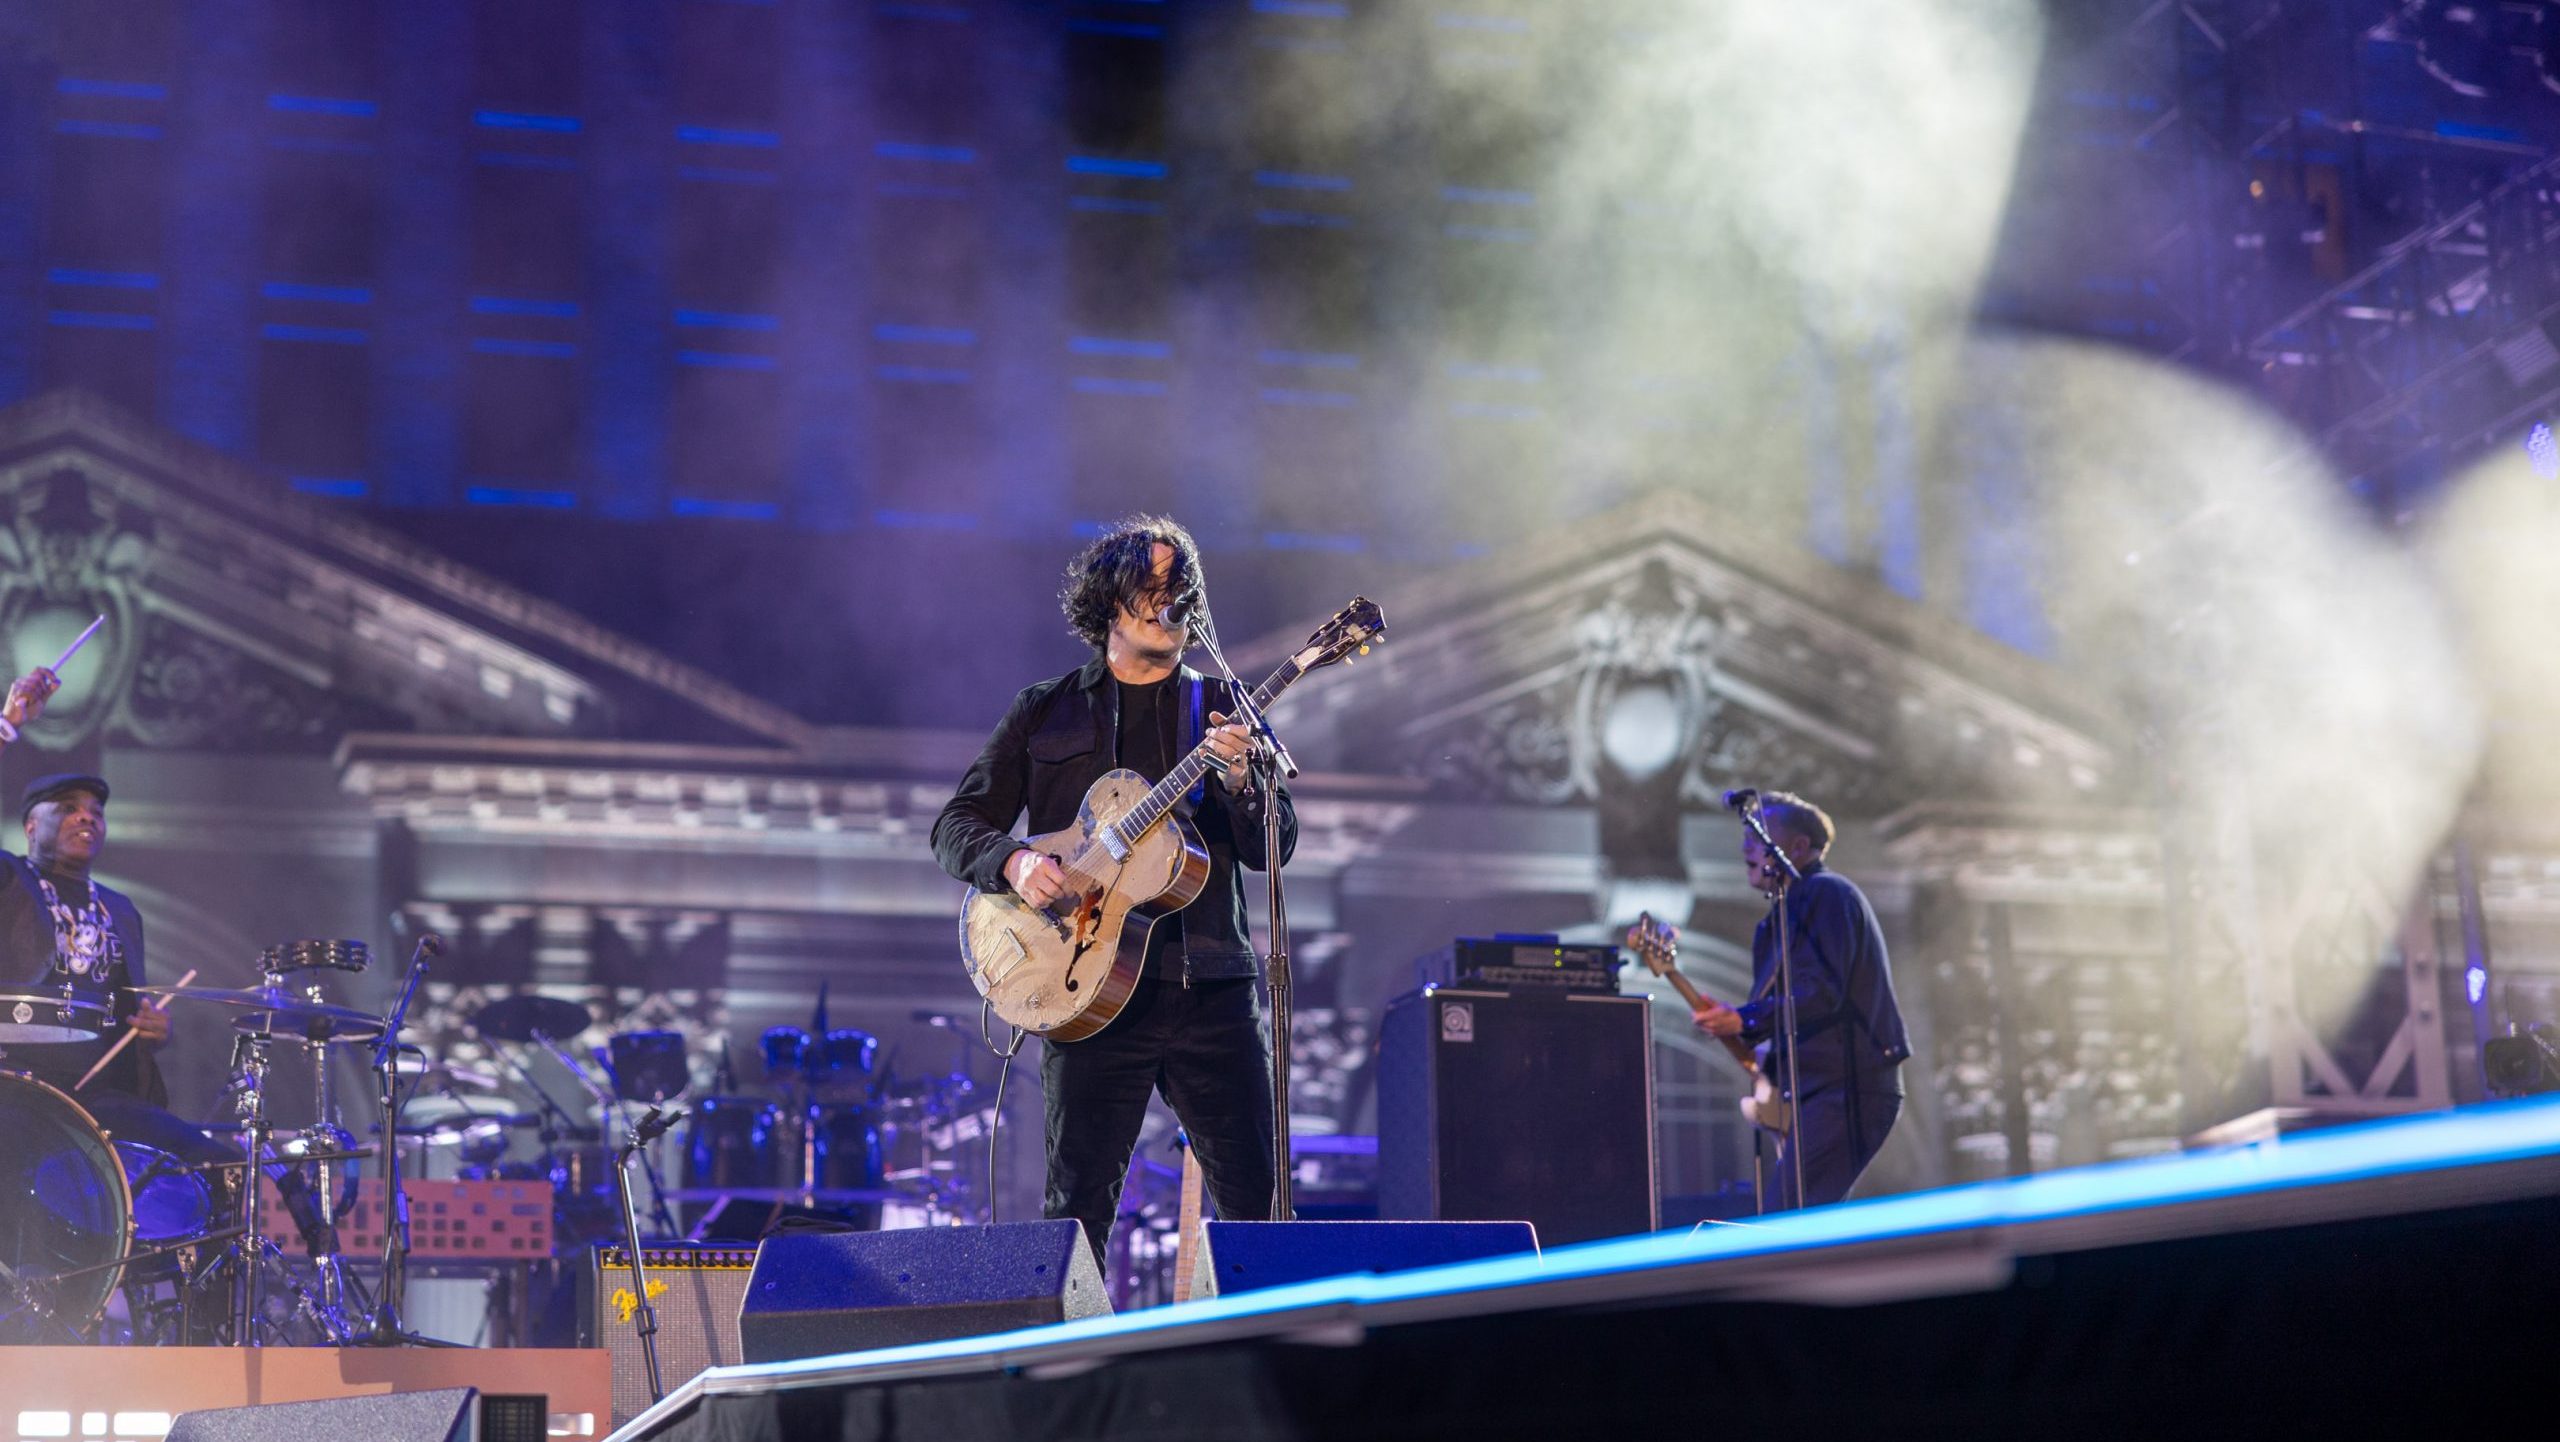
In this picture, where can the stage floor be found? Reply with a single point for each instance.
(2366, 1271)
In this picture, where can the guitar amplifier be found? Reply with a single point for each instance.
(698, 1290)
(1524, 1105)
(1504, 962)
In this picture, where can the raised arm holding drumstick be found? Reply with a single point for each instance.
(61, 933)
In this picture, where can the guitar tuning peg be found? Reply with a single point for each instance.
(1364, 649)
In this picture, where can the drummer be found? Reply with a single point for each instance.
(58, 926)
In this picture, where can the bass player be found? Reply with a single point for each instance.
(1850, 1044)
(1193, 1029)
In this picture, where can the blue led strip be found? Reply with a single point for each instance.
(421, 327)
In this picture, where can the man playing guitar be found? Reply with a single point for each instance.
(1850, 1044)
(1192, 1028)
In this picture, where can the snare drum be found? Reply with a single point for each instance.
(64, 1210)
(50, 1016)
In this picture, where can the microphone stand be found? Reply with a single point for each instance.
(387, 1329)
(645, 1316)
(1266, 766)
(1750, 814)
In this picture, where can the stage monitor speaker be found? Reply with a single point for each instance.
(450, 1414)
(696, 1290)
(1248, 1256)
(815, 1294)
(1495, 1105)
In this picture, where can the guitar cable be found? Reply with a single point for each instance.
(995, 1123)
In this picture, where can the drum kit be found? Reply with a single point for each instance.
(121, 1221)
(101, 1194)
(835, 1131)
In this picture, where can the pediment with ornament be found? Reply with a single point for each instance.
(241, 616)
(1653, 650)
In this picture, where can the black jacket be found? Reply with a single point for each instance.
(28, 963)
(1056, 740)
(1848, 1021)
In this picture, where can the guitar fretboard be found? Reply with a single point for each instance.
(1162, 796)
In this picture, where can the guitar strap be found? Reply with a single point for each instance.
(1191, 739)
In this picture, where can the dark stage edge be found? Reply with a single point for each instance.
(2387, 1277)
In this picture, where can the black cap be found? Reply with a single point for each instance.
(45, 788)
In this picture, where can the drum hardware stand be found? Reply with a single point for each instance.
(34, 1294)
(320, 1236)
(645, 1316)
(610, 1101)
(249, 1080)
(387, 1330)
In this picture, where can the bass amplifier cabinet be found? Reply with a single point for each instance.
(703, 1289)
(1527, 1105)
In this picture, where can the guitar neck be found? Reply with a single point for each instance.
(1734, 1046)
(1162, 796)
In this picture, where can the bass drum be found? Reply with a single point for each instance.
(64, 1212)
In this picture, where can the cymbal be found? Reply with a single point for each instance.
(440, 1074)
(431, 1111)
(274, 1011)
(528, 1014)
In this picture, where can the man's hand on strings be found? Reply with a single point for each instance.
(1717, 1019)
(1230, 747)
(1035, 877)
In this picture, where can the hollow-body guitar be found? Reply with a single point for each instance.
(1064, 971)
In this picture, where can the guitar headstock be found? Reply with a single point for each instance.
(1349, 633)
(1655, 943)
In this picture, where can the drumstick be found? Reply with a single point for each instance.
(162, 1005)
(74, 649)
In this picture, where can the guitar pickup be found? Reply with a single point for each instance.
(991, 975)
(1109, 836)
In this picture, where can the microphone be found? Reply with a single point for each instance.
(657, 1124)
(429, 944)
(1742, 798)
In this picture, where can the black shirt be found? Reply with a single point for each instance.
(32, 965)
(1146, 727)
(1146, 746)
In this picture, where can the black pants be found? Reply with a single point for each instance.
(1203, 1047)
(1842, 1130)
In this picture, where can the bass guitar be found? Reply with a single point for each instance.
(1063, 971)
(1657, 945)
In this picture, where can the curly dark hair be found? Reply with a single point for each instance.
(1119, 566)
